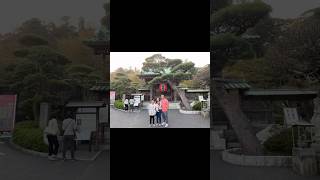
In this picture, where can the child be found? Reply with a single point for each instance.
(152, 112)
(158, 112)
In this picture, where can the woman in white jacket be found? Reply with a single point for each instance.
(52, 132)
(152, 112)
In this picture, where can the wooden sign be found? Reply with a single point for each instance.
(7, 112)
(291, 116)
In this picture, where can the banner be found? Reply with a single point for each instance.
(112, 97)
(163, 87)
(7, 112)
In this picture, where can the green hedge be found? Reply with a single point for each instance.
(197, 106)
(27, 134)
(280, 144)
(118, 104)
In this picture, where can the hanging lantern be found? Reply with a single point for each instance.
(163, 87)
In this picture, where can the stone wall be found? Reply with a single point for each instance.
(246, 160)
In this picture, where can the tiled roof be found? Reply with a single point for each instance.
(99, 88)
(280, 92)
(236, 85)
(86, 104)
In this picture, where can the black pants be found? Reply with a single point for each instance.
(152, 119)
(126, 107)
(53, 144)
(68, 144)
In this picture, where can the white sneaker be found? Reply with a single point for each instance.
(166, 125)
(162, 123)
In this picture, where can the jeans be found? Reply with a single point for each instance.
(53, 144)
(165, 116)
(159, 116)
(68, 144)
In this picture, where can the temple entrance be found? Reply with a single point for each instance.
(167, 91)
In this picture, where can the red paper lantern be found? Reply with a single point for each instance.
(163, 87)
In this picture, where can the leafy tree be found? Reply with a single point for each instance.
(294, 57)
(125, 81)
(172, 71)
(228, 25)
(34, 26)
(32, 77)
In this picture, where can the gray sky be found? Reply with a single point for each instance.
(291, 8)
(135, 59)
(14, 12)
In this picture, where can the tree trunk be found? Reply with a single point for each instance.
(181, 94)
(230, 102)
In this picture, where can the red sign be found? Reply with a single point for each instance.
(7, 112)
(163, 87)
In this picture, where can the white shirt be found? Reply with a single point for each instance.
(69, 126)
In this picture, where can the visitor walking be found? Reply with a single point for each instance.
(126, 104)
(152, 113)
(69, 132)
(158, 111)
(131, 102)
(164, 106)
(52, 131)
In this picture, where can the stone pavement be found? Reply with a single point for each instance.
(120, 119)
(220, 170)
(16, 165)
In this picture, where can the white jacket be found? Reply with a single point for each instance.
(152, 110)
(52, 128)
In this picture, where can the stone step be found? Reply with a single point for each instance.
(233, 145)
(219, 127)
(216, 141)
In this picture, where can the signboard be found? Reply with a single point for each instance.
(7, 112)
(112, 97)
(291, 116)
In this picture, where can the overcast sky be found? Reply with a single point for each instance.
(135, 59)
(291, 8)
(14, 12)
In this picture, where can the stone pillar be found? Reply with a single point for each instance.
(44, 115)
(151, 93)
(304, 161)
(316, 119)
(174, 95)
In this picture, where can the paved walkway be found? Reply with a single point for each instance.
(120, 119)
(221, 170)
(15, 165)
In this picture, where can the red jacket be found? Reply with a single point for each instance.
(164, 105)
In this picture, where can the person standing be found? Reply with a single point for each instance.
(158, 111)
(52, 132)
(126, 104)
(131, 102)
(164, 106)
(69, 132)
(152, 112)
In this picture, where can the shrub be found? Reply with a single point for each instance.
(28, 135)
(197, 106)
(118, 104)
(280, 143)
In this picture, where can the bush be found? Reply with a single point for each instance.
(280, 144)
(118, 104)
(197, 106)
(28, 135)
